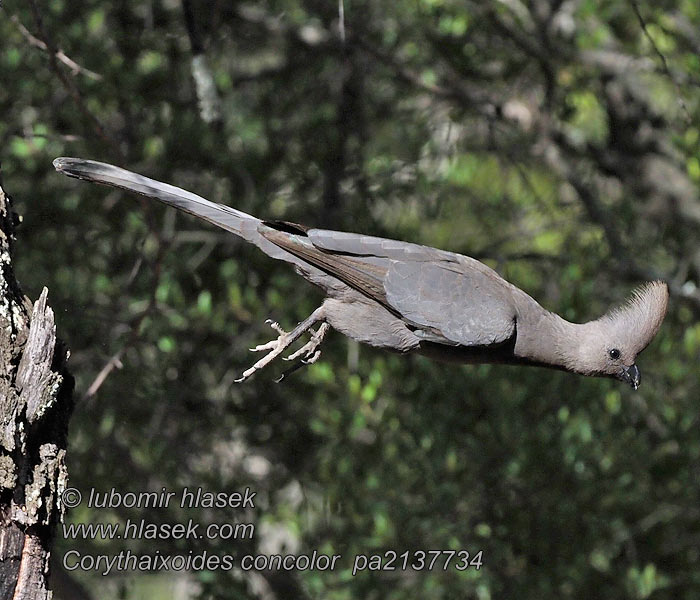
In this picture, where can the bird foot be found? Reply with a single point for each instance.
(274, 348)
(309, 351)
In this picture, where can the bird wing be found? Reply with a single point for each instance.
(448, 298)
(465, 306)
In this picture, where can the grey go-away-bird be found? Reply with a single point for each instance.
(411, 298)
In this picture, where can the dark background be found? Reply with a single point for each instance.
(556, 141)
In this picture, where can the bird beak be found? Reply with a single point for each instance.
(631, 375)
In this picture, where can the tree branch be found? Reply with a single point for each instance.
(69, 84)
(60, 55)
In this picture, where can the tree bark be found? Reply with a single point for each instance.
(35, 406)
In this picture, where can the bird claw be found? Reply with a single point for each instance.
(308, 350)
(276, 326)
(298, 365)
(268, 346)
(312, 359)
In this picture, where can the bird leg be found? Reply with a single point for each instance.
(284, 340)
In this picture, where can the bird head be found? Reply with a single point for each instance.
(621, 334)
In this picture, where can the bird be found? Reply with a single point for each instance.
(411, 298)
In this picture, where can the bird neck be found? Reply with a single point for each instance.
(547, 338)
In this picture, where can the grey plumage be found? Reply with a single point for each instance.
(412, 298)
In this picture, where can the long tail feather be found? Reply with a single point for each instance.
(228, 218)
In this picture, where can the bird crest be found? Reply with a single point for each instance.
(640, 318)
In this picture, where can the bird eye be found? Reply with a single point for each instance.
(614, 353)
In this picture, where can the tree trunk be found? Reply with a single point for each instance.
(35, 406)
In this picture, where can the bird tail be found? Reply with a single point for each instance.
(235, 221)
